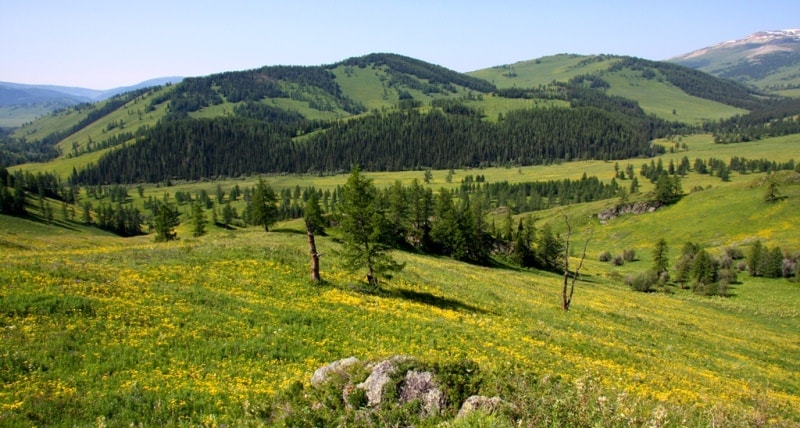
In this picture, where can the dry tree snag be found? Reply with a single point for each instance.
(312, 246)
(568, 288)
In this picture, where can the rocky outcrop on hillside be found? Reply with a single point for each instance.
(636, 208)
(396, 381)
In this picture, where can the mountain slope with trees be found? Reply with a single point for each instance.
(384, 111)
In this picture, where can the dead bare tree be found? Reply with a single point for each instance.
(568, 288)
(312, 246)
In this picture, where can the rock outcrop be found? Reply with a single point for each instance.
(397, 380)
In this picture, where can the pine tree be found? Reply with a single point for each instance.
(446, 232)
(772, 194)
(420, 212)
(754, 258)
(313, 214)
(364, 228)
(668, 189)
(772, 263)
(263, 211)
(165, 222)
(548, 249)
(199, 220)
(660, 257)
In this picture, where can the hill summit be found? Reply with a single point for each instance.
(767, 59)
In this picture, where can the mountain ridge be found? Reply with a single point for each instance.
(21, 102)
(370, 100)
(767, 60)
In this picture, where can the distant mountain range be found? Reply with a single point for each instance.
(20, 103)
(19, 93)
(769, 60)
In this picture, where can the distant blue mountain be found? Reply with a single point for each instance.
(20, 94)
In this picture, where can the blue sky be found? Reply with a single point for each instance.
(105, 44)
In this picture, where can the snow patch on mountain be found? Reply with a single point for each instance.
(769, 41)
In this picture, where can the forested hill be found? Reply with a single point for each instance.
(435, 74)
(384, 111)
(400, 140)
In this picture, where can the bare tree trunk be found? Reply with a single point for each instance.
(565, 301)
(566, 293)
(312, 246)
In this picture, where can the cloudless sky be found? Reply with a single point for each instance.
(101, 44)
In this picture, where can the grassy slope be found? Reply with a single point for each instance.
(660, 98)
(655, 96)
(542, 71)
(205, 330)
(14, 116)
(719, 60)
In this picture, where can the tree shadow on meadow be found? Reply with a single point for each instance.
(440, 302)
(421, 297)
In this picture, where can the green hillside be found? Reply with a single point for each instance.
(652, 89)
(766, 60)
(226, 329)
(304, 103)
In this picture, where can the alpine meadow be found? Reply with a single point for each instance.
(568, 241)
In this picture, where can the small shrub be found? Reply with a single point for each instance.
(629, 255)
(789, 268)
(459, 380)
(643, 282)
(357, 398)
(604, 256)
(727, 275)
(618, 260)
(734, 253)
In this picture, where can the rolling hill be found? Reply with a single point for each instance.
(224, 328)
(302, 105)
(668, 92)
(22, 103)
(768, 60)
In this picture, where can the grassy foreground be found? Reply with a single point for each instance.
(106, 331)
(109, 331)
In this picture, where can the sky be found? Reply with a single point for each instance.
(102, 44)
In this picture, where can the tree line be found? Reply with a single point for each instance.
(774, 119)
(399, 140)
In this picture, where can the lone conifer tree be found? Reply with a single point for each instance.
(263, 211)
(660, 257)
(199, 220)
(165, 222)
(363, 227)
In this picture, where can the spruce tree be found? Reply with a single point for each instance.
(364, 228)
(313, 215)
(165, 222)
(199, 220)
(660, 257)
(263, 211)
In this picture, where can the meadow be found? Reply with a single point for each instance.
(108, 331)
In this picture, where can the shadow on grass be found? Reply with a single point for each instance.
(424, 298)
(289, 231)
(440, 302)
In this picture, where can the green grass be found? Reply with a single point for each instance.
(15, 116)
(542, 71)
(655, 96)
(660, 98)
(104, 330)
